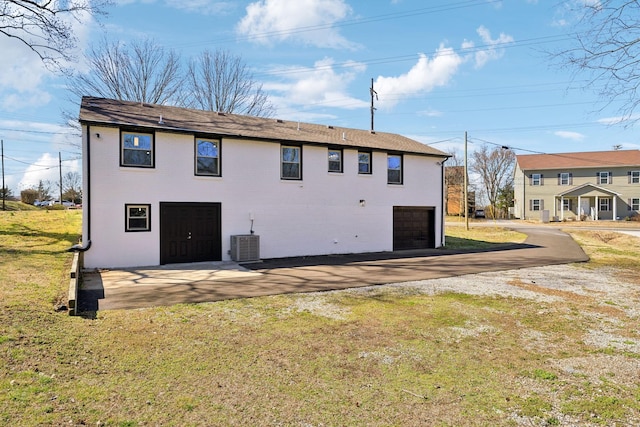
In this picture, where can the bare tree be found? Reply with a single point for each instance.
(495, 168)
(72, 187)
(221, 81)
(45, 26)
(606, 48)
(142, 71)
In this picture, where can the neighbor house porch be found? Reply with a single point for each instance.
(587, 202)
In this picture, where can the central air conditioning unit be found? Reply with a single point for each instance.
(245, 248)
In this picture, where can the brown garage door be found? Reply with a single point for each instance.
(413, 227)
(190, 232)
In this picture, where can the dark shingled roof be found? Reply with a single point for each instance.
(617, 158)
(101, 111)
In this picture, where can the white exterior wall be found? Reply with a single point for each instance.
(321, 214)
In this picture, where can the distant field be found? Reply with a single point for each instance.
(384, 358)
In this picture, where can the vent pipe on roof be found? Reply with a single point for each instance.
(344, 136)
(160, 122)
(298, 126)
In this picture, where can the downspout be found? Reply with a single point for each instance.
(86, 199)
(442, 215)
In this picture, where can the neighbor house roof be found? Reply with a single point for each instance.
(111, 112)
(617, 158)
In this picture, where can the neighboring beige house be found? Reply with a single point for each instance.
(166, 185)
(600, 185)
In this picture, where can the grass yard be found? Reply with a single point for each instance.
(383, 357)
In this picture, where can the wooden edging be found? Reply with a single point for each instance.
(74, 281)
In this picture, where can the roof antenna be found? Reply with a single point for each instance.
(372, 92)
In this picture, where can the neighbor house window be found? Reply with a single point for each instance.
(635, 204)
(564, 178)
(604, 178)
(566, 204)
(138, 217)
(364, 162)
(605, 204)
(537, 204)
(394, 169)
(136, 149)
(634, 177)
(291, 162)
(536, 179)
(207, 157)
(335, 160)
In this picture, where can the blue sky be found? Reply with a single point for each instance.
(440, 68)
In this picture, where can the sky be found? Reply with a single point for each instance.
(439, 69)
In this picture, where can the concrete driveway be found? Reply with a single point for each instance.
(214, 281)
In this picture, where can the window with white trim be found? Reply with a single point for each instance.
(565, 178)
(634, 177)
(566, 204)
(604, 178)
(291, 162)
(364, 162)
(536, 204)
(394, 169)
(207, 157)
(605, 205)
(536, 179)
(335, 160)
(137, 217)
(136, 149)
(635, 204)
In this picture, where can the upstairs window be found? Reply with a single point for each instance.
(207, 157)
(138, 217)
(565, 178)
(290, 162)
(335, 160)
(634, 177)
(394, 169)
(536, 179)
(364, 162)
(604, 178)
(137, 149)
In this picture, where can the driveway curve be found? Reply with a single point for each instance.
(207, 282)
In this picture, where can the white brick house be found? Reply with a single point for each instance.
(168, 185)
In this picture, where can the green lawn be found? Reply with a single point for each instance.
(385, 357)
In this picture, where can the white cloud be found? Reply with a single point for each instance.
(575, 136)
(307, 21)
(493, 51)
(319, 86)
(424, 76)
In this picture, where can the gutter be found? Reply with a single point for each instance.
(442, 210)
(86, 199)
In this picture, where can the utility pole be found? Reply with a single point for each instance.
(4, 191)
(372, 92)
(60, 167)
(466, 184)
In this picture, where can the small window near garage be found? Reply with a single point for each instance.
(364, 162)
(136, 149)
(537, 204)
(394, 169)
(605, 205)
(564, 178)
(635, 204)
(138, 217)
(536, 179)
(207, 157)
(604, 178)
(634, 177)
(290, 162)
(335, 160)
